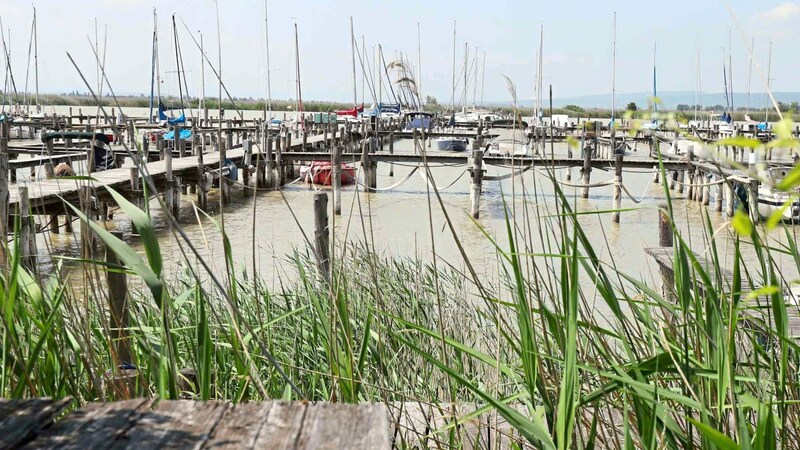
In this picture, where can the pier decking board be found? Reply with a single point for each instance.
(144, 424)
(756, 308)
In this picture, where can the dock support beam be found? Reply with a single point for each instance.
(752, 191)
(27, 232)
(476, 181)
(617, 188)
(336, 179)
(321, 234)
(665, 239)
(87, 234)
(587, 171)
(391, 152)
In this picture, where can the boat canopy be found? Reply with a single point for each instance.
(350, 112)
(186, 134)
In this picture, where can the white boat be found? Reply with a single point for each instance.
(512, 142)
(771, 200)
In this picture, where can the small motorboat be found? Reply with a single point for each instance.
(321, 173)
(452, 144)
(771, 200)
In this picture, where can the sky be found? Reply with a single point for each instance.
(576, 58)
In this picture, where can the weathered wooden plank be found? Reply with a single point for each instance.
(338, 425)
(95, 425)
(239, 427)
(21, 420)
(283, 426)
(174, 424)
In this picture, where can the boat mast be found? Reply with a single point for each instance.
(380, 74)
(269, 73)
(475, 78)
(730, 69)
(153, 63)
(655, 91)
(750, 76)
(539, 72)
(353, 57)
(453, 92)
(299, 92)
(614, 68)
(363, 69)
(483, 75)
(769, 74)
(177, 62)
(25, 98)
(36, 59)
(202, 74)
(466, 70)
(419, 67)
(697, 99)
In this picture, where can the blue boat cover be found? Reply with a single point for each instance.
(177, 120)
(185, 135)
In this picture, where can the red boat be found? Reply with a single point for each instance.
(320, 173)
(350, 112)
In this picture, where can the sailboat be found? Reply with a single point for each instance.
(772, 201)
(455, 143)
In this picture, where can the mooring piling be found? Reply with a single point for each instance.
(476, 180)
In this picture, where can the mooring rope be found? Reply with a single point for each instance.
(698, 185)
(633, 199)
(389, 188)
(506, 176)
(422, 174)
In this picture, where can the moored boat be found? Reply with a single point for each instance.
(452, 144)
(321, 173)
(772, 201)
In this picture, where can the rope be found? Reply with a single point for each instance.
(506, 176)
(392, 187)
(422, 174)
(713, 183)
(633, 199)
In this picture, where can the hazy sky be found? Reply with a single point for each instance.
(577, 43)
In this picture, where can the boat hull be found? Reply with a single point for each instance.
(772, 202)
(320, 173)
(451, 145)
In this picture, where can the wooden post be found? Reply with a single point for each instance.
(169, 197)
(336, 178)
(87, 234)
(4, 193)
(690, 188)
(247, 146)
(706, 189)
(281, 175)
(367, 168)
(179, 144)
(118, 307)
(729, 198)
(391, 152)
(617, 188)
(202, 183)
(269, 163)
(476, 181)
(587, 171)
(224, 188)
(656, 174)
(321, 237)
(752, 191)
(718, 204)
(27, 232)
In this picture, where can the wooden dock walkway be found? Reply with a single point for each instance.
(146, 424)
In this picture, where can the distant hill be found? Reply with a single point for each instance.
(669, 99)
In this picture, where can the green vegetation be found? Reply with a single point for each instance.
(691, 368)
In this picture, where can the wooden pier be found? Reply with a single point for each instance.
(148, 424)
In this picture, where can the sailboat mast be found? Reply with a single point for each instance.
(36, 59)
(655, 91)
(730, 67)
(269, 72)
(202, 74)
(466, 70)
(353, 57)
(380, 74)
(769, 74)
(539, 72)
(475, 78)
(419, 66)
(453, 92)
(483, 75)
(25, 98)
(299, 92)
(153, 65)
(750, 75)
(363, 69)
(697, 99)
(614, 68)
(177, 61)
